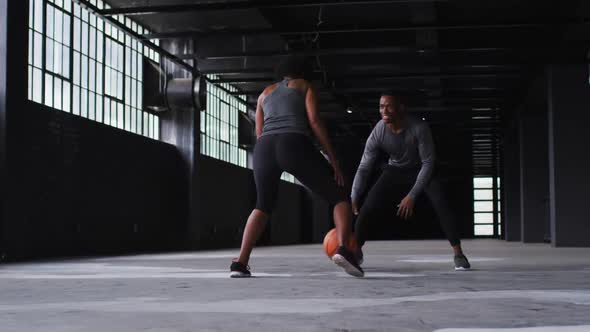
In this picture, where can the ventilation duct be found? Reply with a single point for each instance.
(162, 93)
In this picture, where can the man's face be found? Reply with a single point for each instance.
(390, 109)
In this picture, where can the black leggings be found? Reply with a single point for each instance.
(295, 154)
(381, 197)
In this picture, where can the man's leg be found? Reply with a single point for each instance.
(379, 199)
(447, 218)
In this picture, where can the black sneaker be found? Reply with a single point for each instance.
(239, 270)
(346, 260)
(359, 256)
(461, 263)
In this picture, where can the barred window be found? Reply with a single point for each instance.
(80, 64)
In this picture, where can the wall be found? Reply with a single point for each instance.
(228, 195)
(511, 180)
(569, 162)
(80, 187)
(3, 106)
(534, 168)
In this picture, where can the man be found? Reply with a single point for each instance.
(408, 142)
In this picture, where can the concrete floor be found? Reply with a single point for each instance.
(409, 286)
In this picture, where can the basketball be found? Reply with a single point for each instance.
(331, 243)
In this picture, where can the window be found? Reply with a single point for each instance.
(81, 64)
(484, 206)
(219, 124)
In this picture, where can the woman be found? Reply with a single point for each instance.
(286, 119)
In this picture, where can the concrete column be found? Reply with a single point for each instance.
(533, 172)
(569, 160)
(181, 127)
(13, 95)
(511, 183)
(3, 80)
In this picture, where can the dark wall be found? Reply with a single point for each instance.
(289, 216)
(13, 92)
(81, 187)
(454, 166)
(569, 162)
(511, 180)
(3, 105)
(228, 195)
(534, 163)
(318, 219)
(74, 186)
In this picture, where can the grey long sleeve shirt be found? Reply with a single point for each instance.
(412, 148)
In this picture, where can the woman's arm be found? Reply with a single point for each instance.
(259, 116)
(319, 130)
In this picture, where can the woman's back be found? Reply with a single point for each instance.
(284, 108)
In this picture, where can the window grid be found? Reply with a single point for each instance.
(219, 125)
(484, 206)
(81, 64)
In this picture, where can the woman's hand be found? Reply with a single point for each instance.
(338, 176)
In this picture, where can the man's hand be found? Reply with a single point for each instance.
(355, 209)
(406, 208)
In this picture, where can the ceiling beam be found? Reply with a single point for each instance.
(375, 90)
(356, 30)
(228, 70)
(344, 51)
(244, 5)
(375, 76)
(238, 71)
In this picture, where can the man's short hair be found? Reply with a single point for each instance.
(399, 99)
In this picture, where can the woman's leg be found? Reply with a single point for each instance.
(297, 155)
(267, 176)
(254, 229)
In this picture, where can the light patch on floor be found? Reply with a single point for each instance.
(443, 259)
(294, 306)
(229, 256)
(369, 275)
(107, 271)
(110, 271)
(200, 275)
(575, 328)
(96, 268)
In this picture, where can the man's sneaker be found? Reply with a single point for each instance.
(359, 256)
(346, 260)
(461, 263)
(239, 270)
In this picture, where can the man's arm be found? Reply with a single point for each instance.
(366, 165)
(427, 156)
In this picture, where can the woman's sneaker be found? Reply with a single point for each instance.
(461, 263)
(239, 270)
(346, 260)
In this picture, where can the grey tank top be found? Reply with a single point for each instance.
(285, 112)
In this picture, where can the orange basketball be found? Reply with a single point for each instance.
(331, 243)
